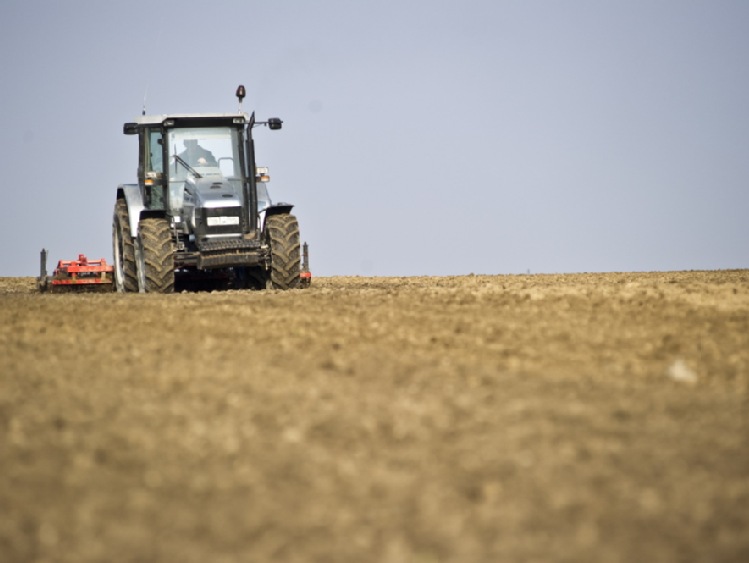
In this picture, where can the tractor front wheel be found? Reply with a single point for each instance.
(123, 249)
(155, 255)
(282, 235)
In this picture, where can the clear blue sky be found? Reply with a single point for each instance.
(420, 137)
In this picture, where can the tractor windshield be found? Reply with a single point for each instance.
(202, 152)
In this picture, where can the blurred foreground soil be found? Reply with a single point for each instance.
(588, 417)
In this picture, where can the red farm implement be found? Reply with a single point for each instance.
(82, 275)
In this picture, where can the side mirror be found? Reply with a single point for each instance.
(130, 129)
(275, 123)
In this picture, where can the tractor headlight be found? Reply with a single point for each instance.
(261, 174)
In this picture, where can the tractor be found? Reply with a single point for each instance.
(200, 215)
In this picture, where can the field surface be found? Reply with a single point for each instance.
(587, 417)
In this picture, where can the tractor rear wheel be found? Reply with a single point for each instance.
(282, 235)
(155, 255)
(123, 249)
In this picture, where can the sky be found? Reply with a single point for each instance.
(421, 137)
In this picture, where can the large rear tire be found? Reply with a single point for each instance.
(282, 235)
(123, 250)
(155, 255)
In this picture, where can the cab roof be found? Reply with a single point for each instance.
(185, 120)
(158, 119)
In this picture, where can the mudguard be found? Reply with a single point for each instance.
(135, 205)
(280, 207)
(274, 209)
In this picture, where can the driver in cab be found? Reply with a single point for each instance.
(195, 155)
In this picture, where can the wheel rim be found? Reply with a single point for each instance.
(140, 264)
(118, 251)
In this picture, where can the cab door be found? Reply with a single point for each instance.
(151, 175)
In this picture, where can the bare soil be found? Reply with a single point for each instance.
(590, 417)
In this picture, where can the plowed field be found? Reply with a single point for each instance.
(591, 417)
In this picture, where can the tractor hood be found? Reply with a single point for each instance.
(212, 206)
(213, 192)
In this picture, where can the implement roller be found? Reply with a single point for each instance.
(82, 275)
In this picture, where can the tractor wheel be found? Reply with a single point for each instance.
(282, 235)
(123, 249)
(155, 256)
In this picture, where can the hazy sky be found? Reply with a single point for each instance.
(420, 137)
